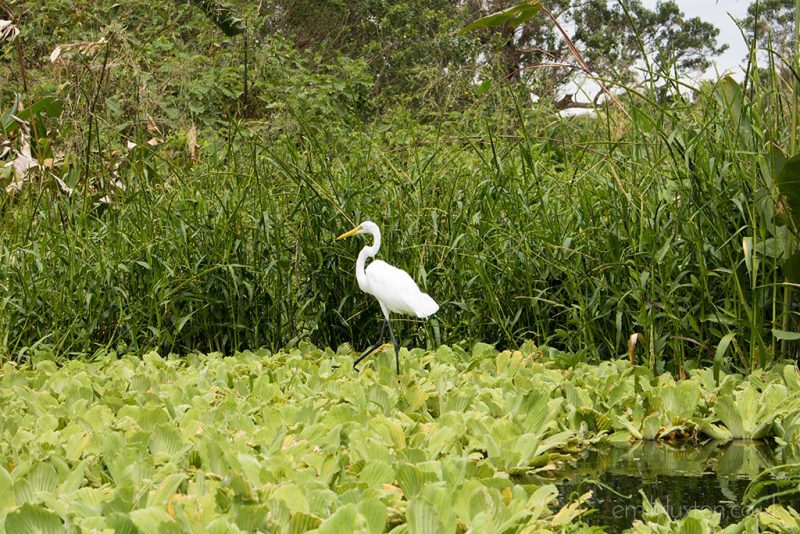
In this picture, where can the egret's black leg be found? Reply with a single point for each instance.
(371, 350)
(396, 346)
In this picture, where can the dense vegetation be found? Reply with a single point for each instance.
(174, 175)
(170, 212)
(296, 440)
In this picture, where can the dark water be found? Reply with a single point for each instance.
(711, 476)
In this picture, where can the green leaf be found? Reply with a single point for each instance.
(411, 480)
(791, 268)
(777, 518)
(483, 87)
(74, 480)
(722, 346)
(650, 426)
(49, 106)
(149, 520)
(728, 93)
(251, 517)
(6, 121)
(692, 525)
(33, 519)
(166, 440)
(374, 512)
(728, 413)
(294, 498)
(375, 473)
(302, 522)
(423, 519)
(342, 522)
(788, 182)
(790, 376)
(43, 478)
(784, 335)
(221, 15)
(6, 491)
(730, 96)
(512, 16)
(166, 489)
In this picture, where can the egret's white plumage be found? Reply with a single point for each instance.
(395, 290)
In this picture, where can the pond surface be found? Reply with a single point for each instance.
(713, 475)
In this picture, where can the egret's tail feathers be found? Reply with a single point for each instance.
(426, 306)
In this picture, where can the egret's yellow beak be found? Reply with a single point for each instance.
(354, 231)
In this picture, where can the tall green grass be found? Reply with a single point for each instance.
(522, 225)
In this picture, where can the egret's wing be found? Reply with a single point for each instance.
(398, 291)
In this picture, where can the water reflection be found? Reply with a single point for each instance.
(713, 476)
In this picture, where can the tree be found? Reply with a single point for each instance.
(770, 24)
(614, 38)
(411, 47)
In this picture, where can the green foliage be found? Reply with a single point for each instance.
(770, 23)
(222, 16)
(268, 442)
(614, 38)
(532, 230)
(513, 16)
(296, 440)
(411, 49)
(214, 232)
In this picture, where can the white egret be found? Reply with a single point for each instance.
(395, 290)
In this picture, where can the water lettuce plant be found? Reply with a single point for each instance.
(296, 440)
(290, 442)
(656, 520)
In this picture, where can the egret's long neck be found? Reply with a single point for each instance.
(367, 252)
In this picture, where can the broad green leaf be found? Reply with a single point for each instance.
(150, 520)
(722, 346)
(680, 401)
(415, 397)
(91, 501)
(33, 519)
(251, 517)
(49, 106)
(714, 431)
(423, 518)
(294, 498)
(513, 16)
(484, 86)
(692, 525)
(74, 480)
(6, 491)
(166, 489)
(730, 96)
(376, 473)
(783, 335)
(780, 518)
(411, 480)
(791, 268)
(341, 522)
(791, 377)
(166, 440)
(221, 15)
(43, 478)
(482, 351)
(301, 522)
(122, 524)
(788, 182)
(374, 512)
(728, 412)
(651, 426)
